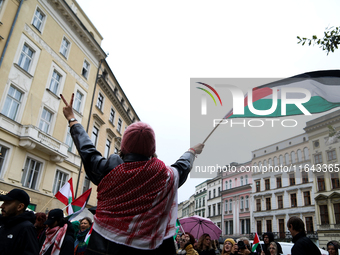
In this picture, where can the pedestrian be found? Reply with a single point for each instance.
(80, 244)
(59, 235)
(273, 249)
(177, 241)
(268, 237)
(333, 248)
(228, 246)
(204, 246)
(137, 193)
(302, 244)
(40, 227)
(187, 240)
(17, 233)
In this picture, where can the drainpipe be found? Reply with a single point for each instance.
(10, 32)
(88, 122)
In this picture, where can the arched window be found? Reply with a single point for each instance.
(286, 159)
(281, 160)
(230, 184)
(299, 154)
(226, 205)
(230, 205)
(260, 166)
(226, 184)
(246, 179)
(247, 202)
(275, 161)
(292, 155)
(241, 180)
(264, 162)
(306, 153)
(242, 203)
(270, 162)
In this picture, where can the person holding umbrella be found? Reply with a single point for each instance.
(204, 246)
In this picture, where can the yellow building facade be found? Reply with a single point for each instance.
(48, 48)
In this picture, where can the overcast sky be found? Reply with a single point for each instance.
(155, 47)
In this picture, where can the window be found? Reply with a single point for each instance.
(77, 103)
(226, 223)
(112, 116)
(230, 205)
(279, 202)
(247, 202)
(209, 211)
(64, 48)
(321, 183)
(246, 179)
(218, 191)
(318, 159)
(292, 179)
(268, 204)
(86, 184)
(270, 162)
(214, 210)
(269, 225)
(324, 214)
(94, 136)
(293, 201)
(281, 160)
(203, 201)
(306, 153)
(331, 155)
(59, 181)
(299, 154)
(282, 228)
(335, 180)
(12, 103)
(306, 197)
(286, 159)
(226, 205)
(119, 125)
(69, 140)
(337, 212)
(107, 148)
(258, 205)
(242, 227)
(209, 194)
(115, 151)
(242, 203)
(26, 57)
(275, 161)
(85, 70)
(278, 182)
(292, 154)
(247, 226)
(3, 154)
(31, 173)
(214, 192)
(309, 225)
(267, 184)
(45, 120)
(241, 180)
(231, 227)
(259, 227)
(304, 176)
(100, 101)
(38, 19)
(230, 184)
(258, 186)
(55, 82)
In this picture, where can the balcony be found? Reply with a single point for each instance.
(33, 138)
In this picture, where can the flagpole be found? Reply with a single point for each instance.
(212, 131)
(47, 203)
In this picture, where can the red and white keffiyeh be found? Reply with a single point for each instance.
(54, 236)
(137, 204)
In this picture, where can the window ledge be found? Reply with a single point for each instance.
(53, 94)
(24, 71)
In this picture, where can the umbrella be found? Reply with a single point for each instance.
(198, 226)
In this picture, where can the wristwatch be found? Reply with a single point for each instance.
(71, 120)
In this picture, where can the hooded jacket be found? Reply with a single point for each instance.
(265, 246)
(18, 235)
(303, 245)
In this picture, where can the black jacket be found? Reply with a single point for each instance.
(67, 247)
(265, 247)
(97, 167)
(18, 235)
(304, 246)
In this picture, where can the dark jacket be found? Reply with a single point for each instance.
(97, 167)
(265, 246)
(67, 247)
(18, 235)
(304, 246)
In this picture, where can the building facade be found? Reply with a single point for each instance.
(214, 209)
(282, 187)
(236, 203)
(324, 144)
(200, 199)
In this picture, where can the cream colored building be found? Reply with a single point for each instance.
(325, 154)
(48, 48)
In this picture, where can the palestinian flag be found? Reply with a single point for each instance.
(177, 228)
(79, 204)
(256, 242)
(323, 86)
(87, 237)
(65, 194)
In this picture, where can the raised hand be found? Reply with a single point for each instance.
(68, 109)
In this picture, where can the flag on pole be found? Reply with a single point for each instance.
(65, 194)
(256, 242)
(177, 228)
(79, 204)
(323, 86)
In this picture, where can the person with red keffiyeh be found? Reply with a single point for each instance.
(137, 193)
